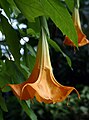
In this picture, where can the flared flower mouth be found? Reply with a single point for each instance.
(82, 40)
(42, 83)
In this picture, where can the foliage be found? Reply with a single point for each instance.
(19, 35)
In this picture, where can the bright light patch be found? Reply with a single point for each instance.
(21, 26)
(24, 40)
(14, 23)
(2, 37)
(3, 13)
(21, 51)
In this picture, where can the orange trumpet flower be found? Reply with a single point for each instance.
(41, 83)
(81, 36)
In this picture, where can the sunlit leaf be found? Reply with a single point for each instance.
(33, 7)
(70, 4)
(52, 8)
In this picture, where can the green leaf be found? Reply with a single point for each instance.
(2, 103)
(32, 51)
(30, 8)
(14, 72)
(29, 57)
(2, 66)
(25, 68)
(57, 48)
(11, 2)
(59, 14)
(13, 7)
(31, 62)
(34, 28)
(0, 52)
(70, 4)
(5, 5)
(31, 32)
(53, 9)
(12, 39)
(1, 115)
(35, 25)
(4, 79)
(26, 107)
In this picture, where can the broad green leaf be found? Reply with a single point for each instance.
(30, 8)
(58, 49)
(62, 19)
(2, 103)
(26, 107)
(4, 79)
(1, 115)
(5, 5)
(70, 4)
(14, 72)
(51, 8)
(11, 2)
(12, 39)
(35, 25)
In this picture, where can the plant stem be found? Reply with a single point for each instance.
(43, 23)
(76, 3)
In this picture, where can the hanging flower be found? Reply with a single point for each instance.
(41, 83)
(81, 36)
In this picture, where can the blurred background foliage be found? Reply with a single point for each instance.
(17, 27)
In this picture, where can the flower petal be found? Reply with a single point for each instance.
(42, 83)
(47, 89)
